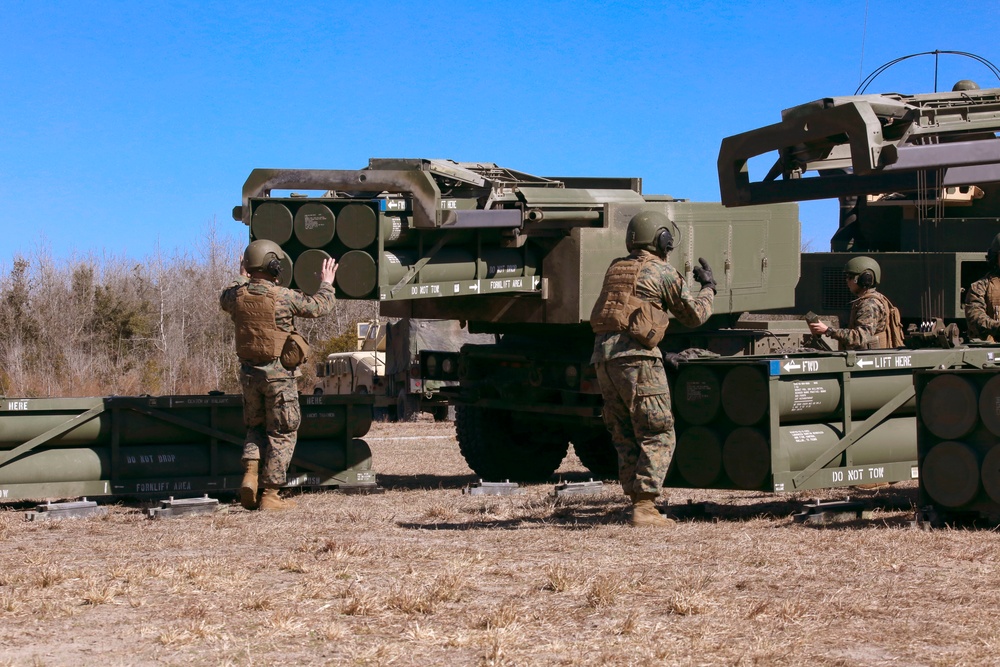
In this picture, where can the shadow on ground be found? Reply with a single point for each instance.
(896, 509)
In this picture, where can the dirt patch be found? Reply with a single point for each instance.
(424, 575)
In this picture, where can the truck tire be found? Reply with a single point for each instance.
(497, 449)
(406, 407)
(598, 454)
(444, 413)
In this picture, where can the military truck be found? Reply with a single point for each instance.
(422, 358)
(918, 181)
(521, 257)
(357, 372)
(402, 364)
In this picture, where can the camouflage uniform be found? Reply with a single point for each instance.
(270, 394)
(868, 324)
(982, 307)
(634, 383)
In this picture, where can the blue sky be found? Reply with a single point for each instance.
(131, 126)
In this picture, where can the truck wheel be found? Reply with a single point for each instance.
(406, 407)
(444, 413)
(597, 453)
(497, 449)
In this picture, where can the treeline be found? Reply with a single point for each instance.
(100, 325)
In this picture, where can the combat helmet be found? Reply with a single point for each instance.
(263, 255)
(965, 84)
(649, 230)
(859, 265)
(993, 251)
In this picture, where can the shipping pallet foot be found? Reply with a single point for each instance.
(820, 513)
(565, 489)
(482, 488)
(71, 510)
(171, 508)
(929, 518)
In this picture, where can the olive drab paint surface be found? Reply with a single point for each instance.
(522, 257)
(167, 445)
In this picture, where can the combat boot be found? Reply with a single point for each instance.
(248, 489)
(271, 501)
(644, 512)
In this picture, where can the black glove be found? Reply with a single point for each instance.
(672, 360)
(703, 274)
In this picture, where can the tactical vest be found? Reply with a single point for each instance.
(993, 298)
(618, 309)
(258, 339)
(891, 333)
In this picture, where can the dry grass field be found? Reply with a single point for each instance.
(424, 575)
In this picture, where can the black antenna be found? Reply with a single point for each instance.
(863, 86)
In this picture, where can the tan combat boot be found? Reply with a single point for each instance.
(644, 512)
(248, 488)
(270, 500)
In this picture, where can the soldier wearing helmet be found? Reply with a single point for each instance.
(629, 319)
(982, 301)
(270, 351)
(874, 322)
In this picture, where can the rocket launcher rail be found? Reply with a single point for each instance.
(503, 246)
(867, 144)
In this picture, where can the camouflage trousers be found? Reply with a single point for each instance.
(637, 413)
(272, 416)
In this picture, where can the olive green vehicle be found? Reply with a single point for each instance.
(522, 257)
(918, 180)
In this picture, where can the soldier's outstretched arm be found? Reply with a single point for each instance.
(691, 310)
(322, 302)
(865, 329)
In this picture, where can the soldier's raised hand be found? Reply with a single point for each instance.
(703, 274)
(328, 271)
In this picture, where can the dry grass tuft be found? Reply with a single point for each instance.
(258, 602)
(504, 616)
(360, 603)
(49, 576)
(410, 601)
(559, 578)
(450, 586)
(686, 604)
(605, 590)
(96, 595)
(293, 565)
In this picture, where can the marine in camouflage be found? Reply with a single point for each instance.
(867, 327)
(271, 410)
(982, 307)
(634, 383)
(637, 414)
(658, 283)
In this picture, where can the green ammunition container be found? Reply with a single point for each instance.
(959, 452)
(168, 445)
(272, 221)
(315, 225)
(307, 270)
(810, 420)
